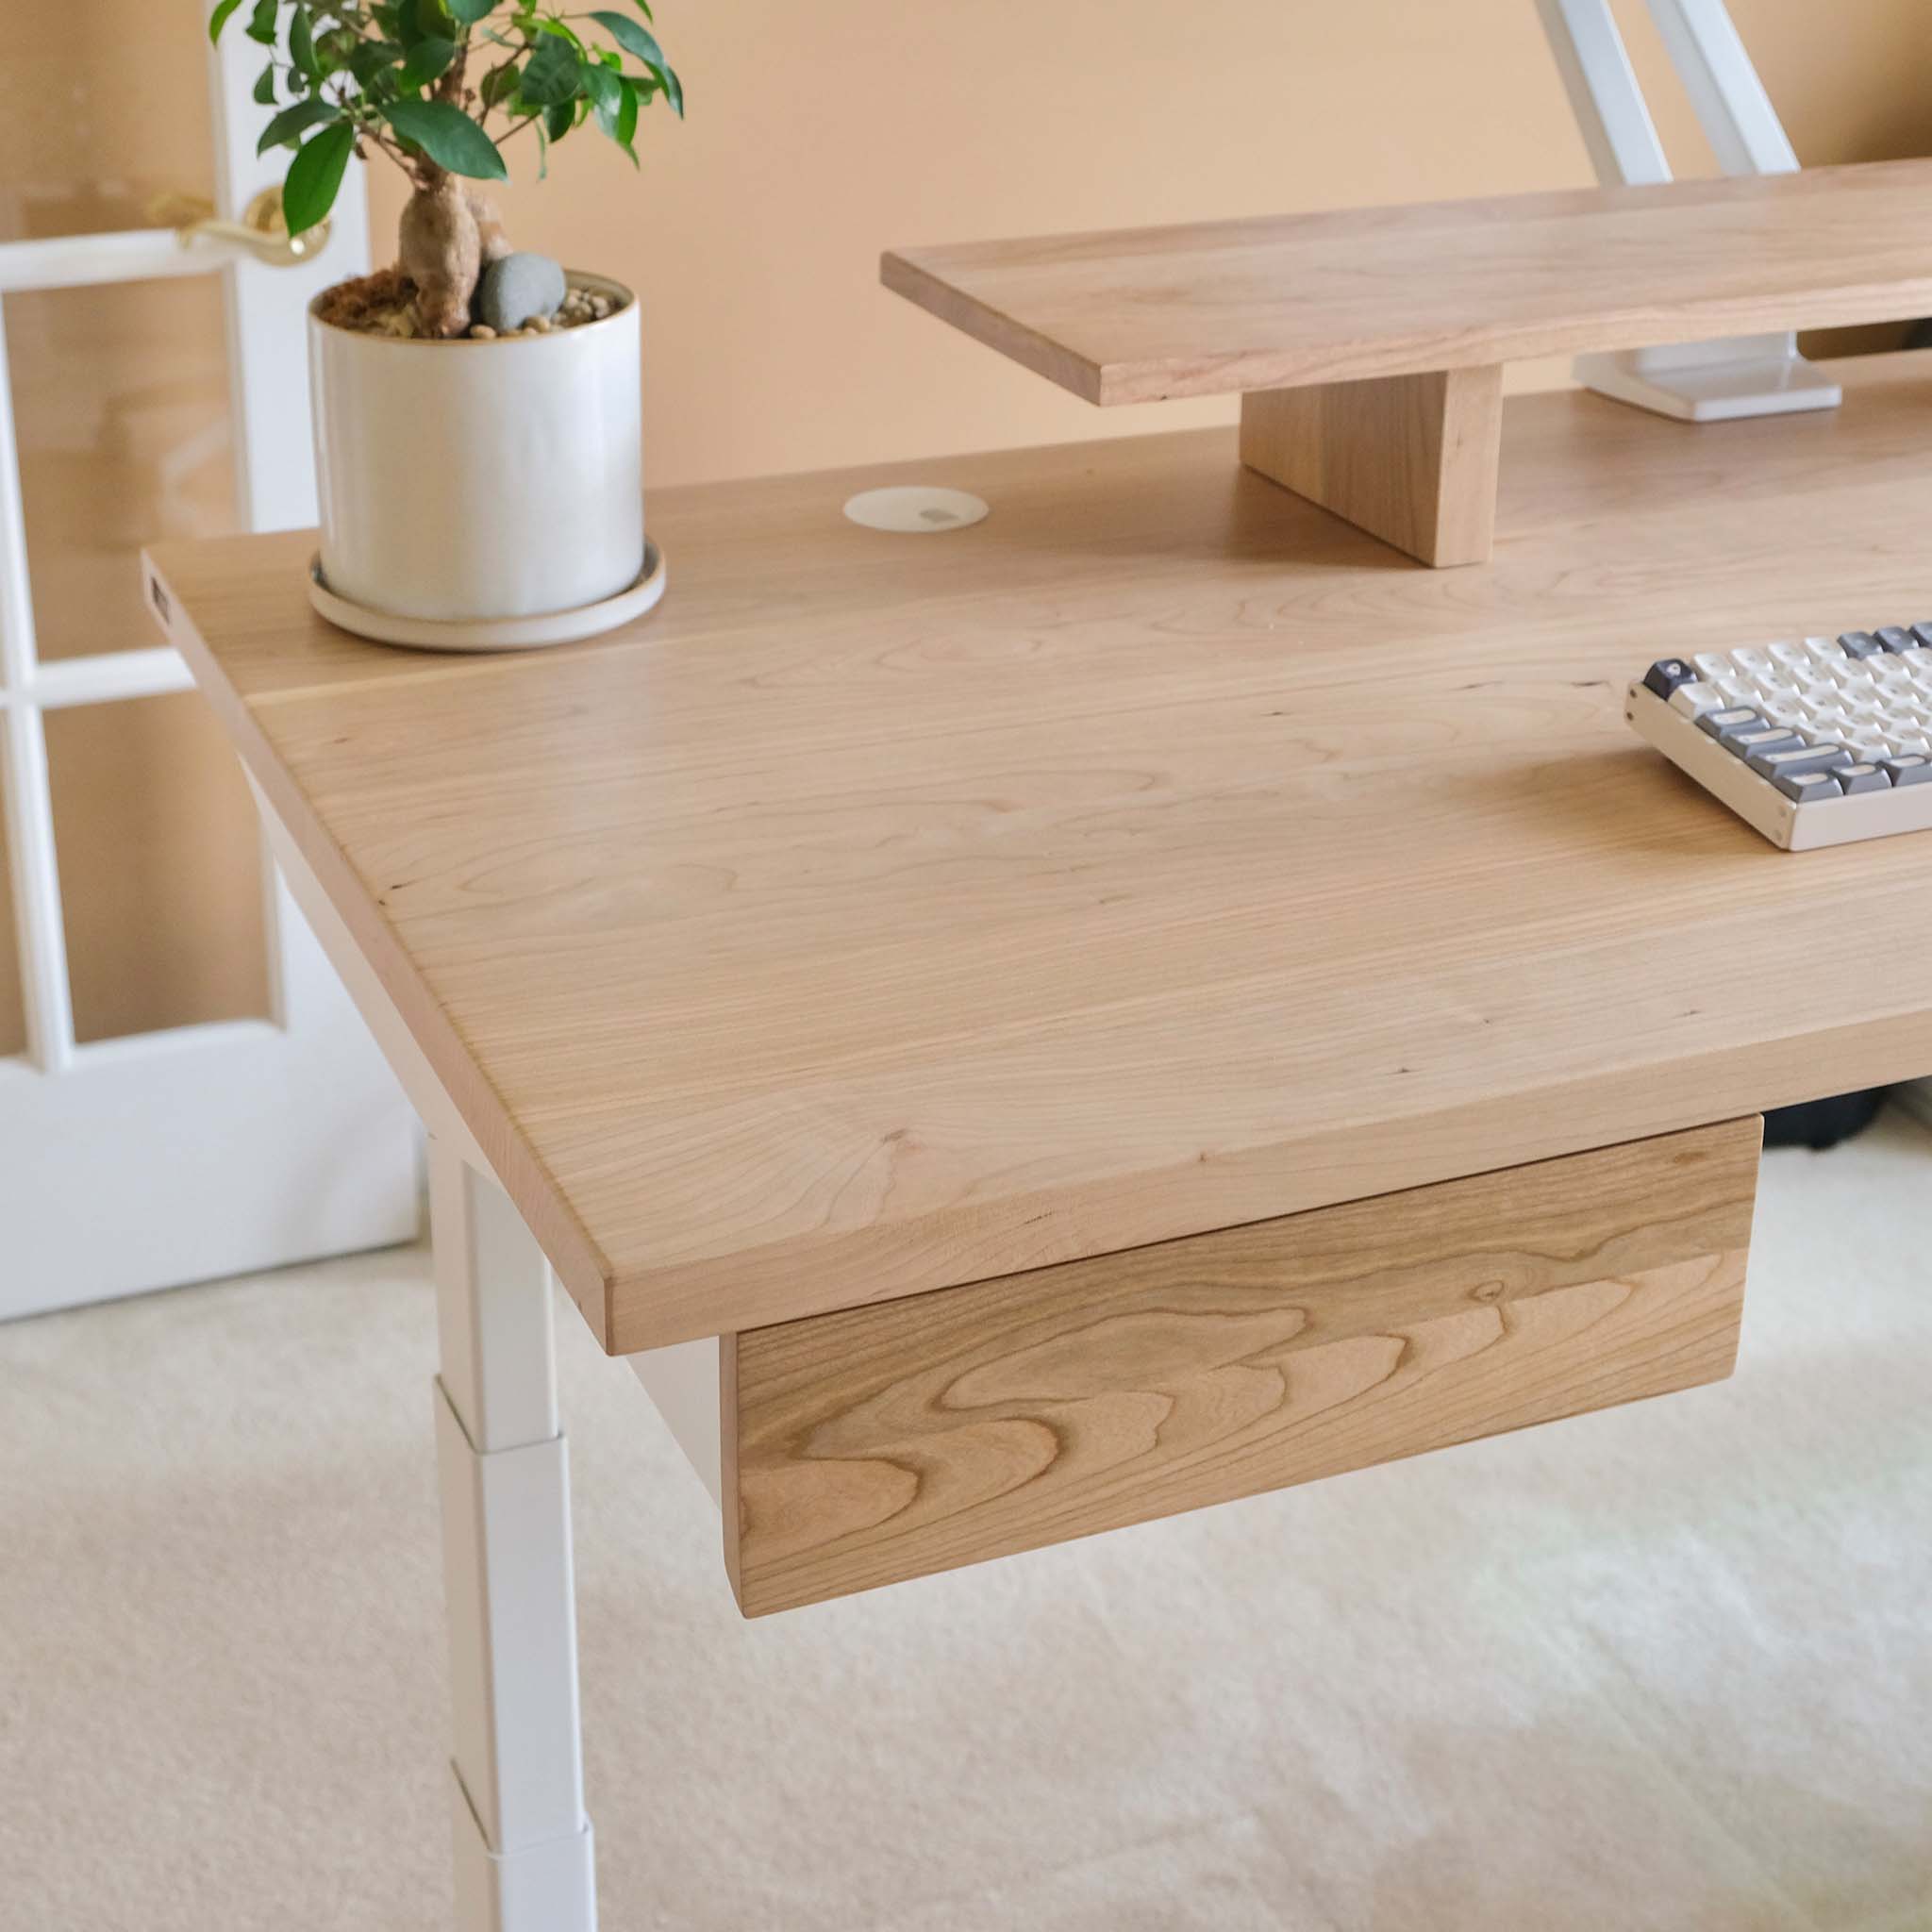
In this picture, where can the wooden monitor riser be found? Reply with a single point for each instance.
(1367, 345)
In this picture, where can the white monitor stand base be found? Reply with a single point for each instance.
(1713, 382)
(1695, 382)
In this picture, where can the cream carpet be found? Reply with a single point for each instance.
(1667, 1667)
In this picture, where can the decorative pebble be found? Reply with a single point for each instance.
(517, 289)
(481, 331)
(541, 324)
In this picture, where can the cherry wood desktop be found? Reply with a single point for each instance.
(1138, 1000)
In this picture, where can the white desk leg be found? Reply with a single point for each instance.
(522, 1844)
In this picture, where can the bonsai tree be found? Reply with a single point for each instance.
(422, 81)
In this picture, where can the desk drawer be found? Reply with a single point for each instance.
(888, 1442)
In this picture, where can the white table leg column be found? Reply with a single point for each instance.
(522, 1843)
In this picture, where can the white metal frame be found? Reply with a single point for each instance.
(1699, 382)
(238, 1146)
(525, 1852)
(523, 1847)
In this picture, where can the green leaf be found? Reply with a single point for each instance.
(626, 126)
(337, 48)
(371, 60)
(630, 36)
(553, 73)
(315, 175)
(261, 23)
(302, 47)
(219, 19)
(646, 12)
(668, 80)
(559, 120)
(614, 100)
(265, 86)
(543, 153)
(448, 137)
(470, 11)
(427, 59)
(499, 84)
(291, 122)
(605, 95)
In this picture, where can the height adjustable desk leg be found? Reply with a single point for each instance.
(523, 1851)
(1408, 458)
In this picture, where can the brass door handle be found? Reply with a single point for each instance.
(261, 231)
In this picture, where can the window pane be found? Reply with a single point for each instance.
(121, 398)
(121, 394)
(12, 1015)
(106, 109)
(160, 873)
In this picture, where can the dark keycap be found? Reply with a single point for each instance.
(1739, 718)
(1854, 779)
(1895, 638)
(1808, 786)
(1861, 643)
(1912, 768)
(1730, 736)
(1923, 632)
(1763, 739)
(1666, 674)
(1768, 760)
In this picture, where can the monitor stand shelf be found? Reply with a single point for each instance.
(1368, 345)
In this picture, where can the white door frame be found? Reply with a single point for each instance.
(141, 1162)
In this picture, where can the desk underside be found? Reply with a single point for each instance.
(1157, 856)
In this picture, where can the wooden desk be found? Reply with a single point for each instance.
(933, 918)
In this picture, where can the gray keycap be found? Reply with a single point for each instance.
(1739, 718)
(1769, 738)
(1854, 779)
(1861, 643)
(1803, 756)
(1768, 760)
(1923, 632)
(1895, 638)
(1666, 674)
(1909, 768)
(1807, 786)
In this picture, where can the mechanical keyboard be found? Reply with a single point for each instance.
(1813, 743)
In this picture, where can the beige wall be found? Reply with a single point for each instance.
(819, 136)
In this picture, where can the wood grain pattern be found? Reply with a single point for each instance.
(1216, 307)
(1408, 458)
(879, 1443)
(1157, 856)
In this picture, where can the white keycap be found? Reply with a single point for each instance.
(1695, 699)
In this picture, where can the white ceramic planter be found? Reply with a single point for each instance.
(480, 480)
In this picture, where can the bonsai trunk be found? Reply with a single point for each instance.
(439, 248)
(446, 234)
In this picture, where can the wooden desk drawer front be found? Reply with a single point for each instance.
(910, 1436)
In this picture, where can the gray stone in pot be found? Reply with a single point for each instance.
(516, 288)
